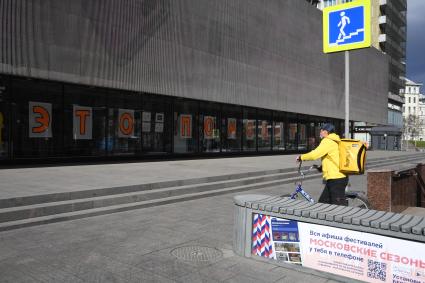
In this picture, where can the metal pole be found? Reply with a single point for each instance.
(347, 94)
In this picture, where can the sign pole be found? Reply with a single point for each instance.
(347, 27)
(347, 94)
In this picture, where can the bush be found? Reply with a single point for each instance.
(418, 143)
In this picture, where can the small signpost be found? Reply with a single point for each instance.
(347, 27)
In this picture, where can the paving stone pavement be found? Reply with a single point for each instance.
(18, 182)
(136, 246)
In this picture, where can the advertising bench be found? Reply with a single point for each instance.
(363, 244)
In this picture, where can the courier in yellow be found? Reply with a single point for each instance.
(328, 151)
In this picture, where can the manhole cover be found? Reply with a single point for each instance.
(197, 253)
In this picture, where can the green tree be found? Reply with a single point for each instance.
(412, 127)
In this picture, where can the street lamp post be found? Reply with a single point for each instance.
(385, 139)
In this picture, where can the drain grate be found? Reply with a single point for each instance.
(196, 253)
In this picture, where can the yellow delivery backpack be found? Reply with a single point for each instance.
(352, 156)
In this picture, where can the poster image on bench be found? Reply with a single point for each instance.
(361, 256)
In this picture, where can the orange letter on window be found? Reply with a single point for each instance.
(208, 127)
(264, 130)
(231, 128)
(43, 119)
(126, 124)
(83, 114)
(185, 128)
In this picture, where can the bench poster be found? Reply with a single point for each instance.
(358, 255)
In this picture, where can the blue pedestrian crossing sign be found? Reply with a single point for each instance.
(346, 26)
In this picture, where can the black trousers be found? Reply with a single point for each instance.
(334, 192)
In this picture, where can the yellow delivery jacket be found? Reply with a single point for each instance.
(328, 151)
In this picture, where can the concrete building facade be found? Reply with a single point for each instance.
(413, 111)
(159, 77)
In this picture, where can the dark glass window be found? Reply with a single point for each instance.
(231, 128)
(314, 135)
(249, 136)
(48, 119)
(85, 121)
(4, 120)
(292, 140)
(209, 127)
(37, 119)
(302, 136)
(279, 131)
(124, 123)
(264, 130)
(157, 131)
(4, 116)
(339, 127)
(185, 121)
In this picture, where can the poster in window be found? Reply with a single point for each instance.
(185, 126)
(146, 116)
(279, 132)
(250, 130)
(264, 130)
(292, 131)
(209, 125)
(159, 117)
(303, 130)
(83, 122)
(146, 127)
(40, 119)
(159, 127)
(125, 123)
(231, 128)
